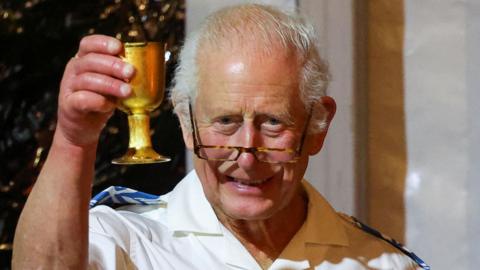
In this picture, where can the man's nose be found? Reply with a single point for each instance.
(249, 137)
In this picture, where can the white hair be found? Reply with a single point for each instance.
(271, 28)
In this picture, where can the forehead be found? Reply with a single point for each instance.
(249, 81)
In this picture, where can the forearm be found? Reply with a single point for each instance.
(52, 231)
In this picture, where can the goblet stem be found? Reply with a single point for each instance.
(139, 128)
(140, 149)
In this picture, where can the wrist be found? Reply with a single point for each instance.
(68, 169)
(75, 157)
(82, 146)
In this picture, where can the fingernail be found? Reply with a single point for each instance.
(125, 89)
(127, 70)
(113, 46)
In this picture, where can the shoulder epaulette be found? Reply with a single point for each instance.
(387, 239)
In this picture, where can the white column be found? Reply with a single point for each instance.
(332, 170)
(443, 131)
(473, 114)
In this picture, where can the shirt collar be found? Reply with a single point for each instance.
(322, 227)
(189, 210)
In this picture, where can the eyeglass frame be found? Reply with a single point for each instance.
(253, 150)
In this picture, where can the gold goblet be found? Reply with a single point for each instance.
(148, 85)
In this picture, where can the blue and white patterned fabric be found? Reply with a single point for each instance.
(115, 196)
(392, 242)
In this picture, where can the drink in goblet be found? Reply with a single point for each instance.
(148, 87)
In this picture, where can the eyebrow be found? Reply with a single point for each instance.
(283, 116)
(214, 111)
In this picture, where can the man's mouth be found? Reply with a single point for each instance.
(248, 182)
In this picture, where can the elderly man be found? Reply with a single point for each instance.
(250, 96)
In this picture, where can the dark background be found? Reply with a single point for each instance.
(37, 38)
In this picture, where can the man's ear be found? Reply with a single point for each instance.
(315, 141)
(187, 134)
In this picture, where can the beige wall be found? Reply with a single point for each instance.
(386, 158)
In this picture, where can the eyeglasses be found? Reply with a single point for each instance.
(231, 153)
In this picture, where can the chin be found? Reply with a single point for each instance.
(248, 209)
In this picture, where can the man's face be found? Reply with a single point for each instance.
(250, 101)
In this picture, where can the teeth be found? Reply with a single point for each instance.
(250, 182)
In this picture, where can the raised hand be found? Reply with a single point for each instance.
(92, 82)
(58, 204)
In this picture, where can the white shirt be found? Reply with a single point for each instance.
(183, 232)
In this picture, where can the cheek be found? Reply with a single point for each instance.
(207, 175)
(204, 171)
(295, 172)
(210, 137)
(285, 140)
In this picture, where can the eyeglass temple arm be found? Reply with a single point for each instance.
(305, 130)
(193, 127)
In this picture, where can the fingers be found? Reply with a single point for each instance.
(101, 84)
(97, 68)
(105, 64)
(87, 101)
(91, 84)
(99, 44)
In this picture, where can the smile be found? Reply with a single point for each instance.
(246, 182)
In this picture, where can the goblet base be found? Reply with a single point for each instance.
(144, 155)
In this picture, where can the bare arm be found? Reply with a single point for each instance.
(52, 231)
